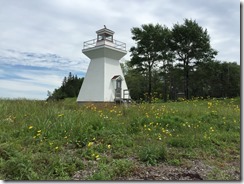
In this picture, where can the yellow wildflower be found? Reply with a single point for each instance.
(90, 144)
(109, 146)
(30, 127)
(97, 157)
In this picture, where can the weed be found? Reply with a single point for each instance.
(151, 154)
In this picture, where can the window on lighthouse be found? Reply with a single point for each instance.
(105, 37)
(109, 38)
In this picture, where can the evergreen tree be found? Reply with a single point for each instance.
(152, 47)
(70, 88)
(191, 44)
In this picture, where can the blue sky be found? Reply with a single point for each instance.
(41, 41)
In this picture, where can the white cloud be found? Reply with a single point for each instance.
(22, 89)
(47, 60)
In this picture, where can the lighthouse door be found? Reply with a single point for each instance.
(118, 89)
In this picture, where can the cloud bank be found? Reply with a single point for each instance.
(41, 41)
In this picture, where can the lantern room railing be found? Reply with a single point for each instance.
(115, 44)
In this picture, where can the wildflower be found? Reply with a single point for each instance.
(97, 157)
(30, 127)
(210, 104)
(56, 148)
(90, 144)
(109, 146)
(39, 131)
(159, 138)
(65, 137)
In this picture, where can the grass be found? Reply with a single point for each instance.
(53, 140)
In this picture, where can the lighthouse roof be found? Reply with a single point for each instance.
(117, 77)
(105, 30)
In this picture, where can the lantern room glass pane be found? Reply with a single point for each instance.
(109, 38)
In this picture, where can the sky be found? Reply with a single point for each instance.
(41, 40)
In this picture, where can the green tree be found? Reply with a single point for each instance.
(70, 88)
(151, 48)
(216, 79)
(190, 44)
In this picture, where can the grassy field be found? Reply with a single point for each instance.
(64, 141)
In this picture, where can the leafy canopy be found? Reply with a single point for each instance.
(191, 42)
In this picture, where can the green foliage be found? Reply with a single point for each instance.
(191, 44)
(70, 88)
(46, 140)
(190, 41)
(208, 79)
(116, 169)
(178, 62)
(152, 47)
(152, 153)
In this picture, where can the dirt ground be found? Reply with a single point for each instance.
(193, 170)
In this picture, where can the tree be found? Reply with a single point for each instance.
(70, 88)
(152, 47)
(190, 44)
(216, 79)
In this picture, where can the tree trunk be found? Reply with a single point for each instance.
(150, 83)
(186, 79)
(165, 88)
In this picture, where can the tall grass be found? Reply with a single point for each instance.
(53, 140)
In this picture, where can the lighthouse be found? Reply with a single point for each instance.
(104, 80)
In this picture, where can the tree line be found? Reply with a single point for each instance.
(209, 79)
(170, 63)
(70, 88)
(178, 62)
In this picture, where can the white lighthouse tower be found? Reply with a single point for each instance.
(104, 80)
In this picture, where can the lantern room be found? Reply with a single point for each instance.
(105, 36)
